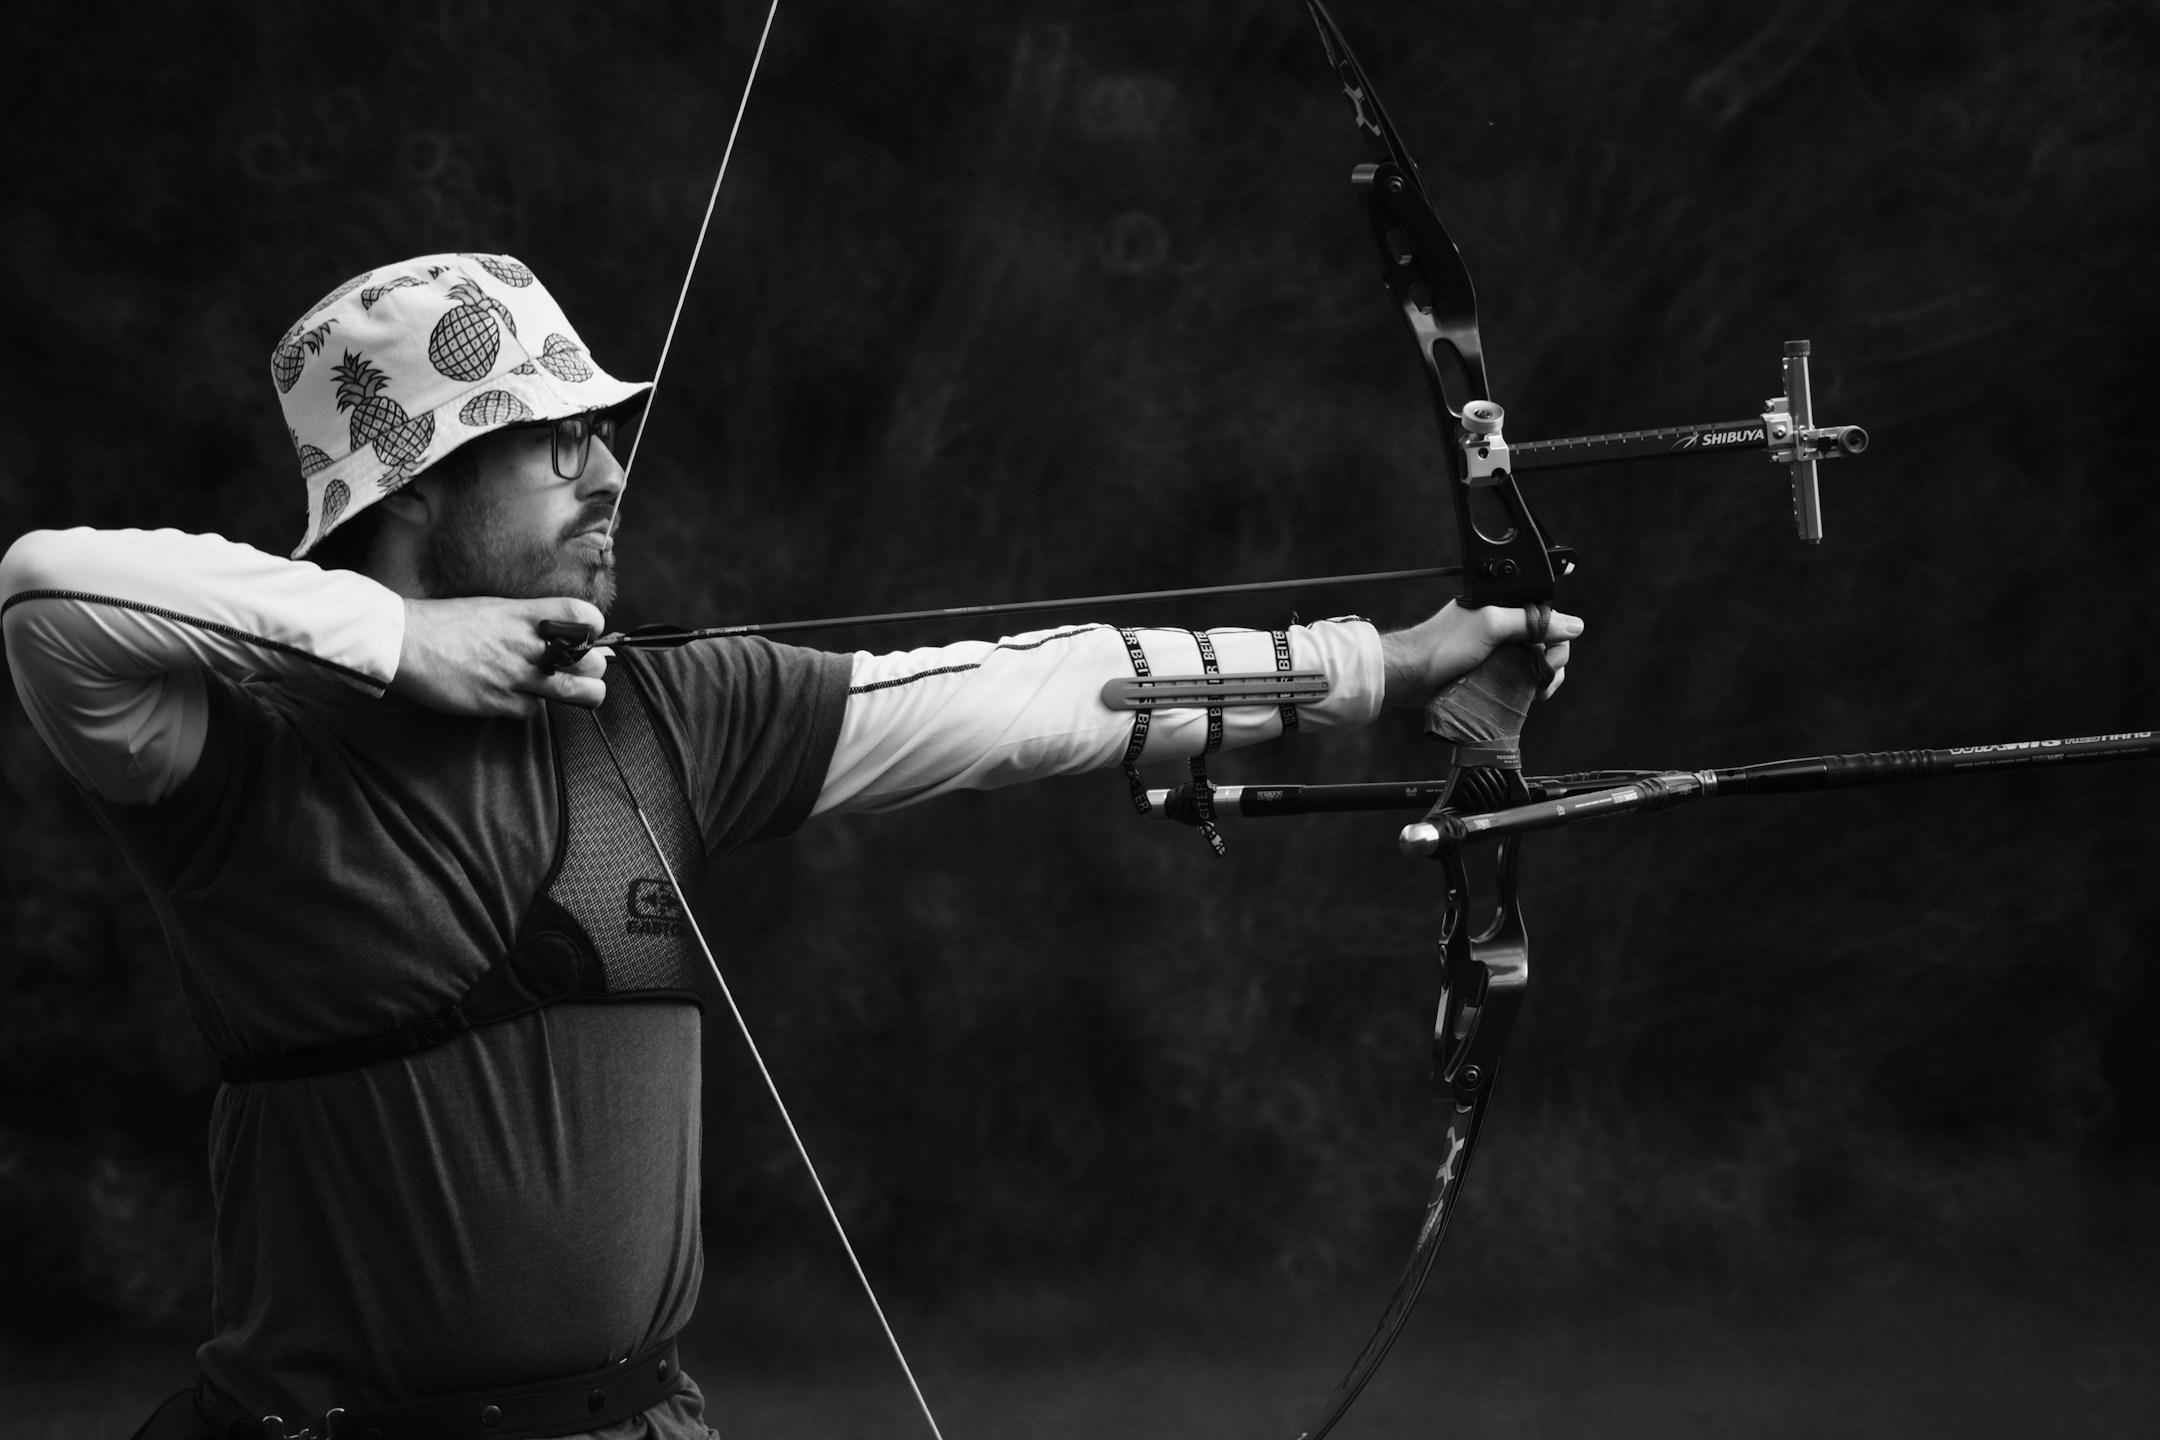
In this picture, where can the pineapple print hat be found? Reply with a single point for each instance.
(396, 368)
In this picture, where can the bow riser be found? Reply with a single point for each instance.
(1505, 558)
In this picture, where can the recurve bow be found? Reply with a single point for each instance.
(1506, 561)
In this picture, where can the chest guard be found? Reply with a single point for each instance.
(607, 924)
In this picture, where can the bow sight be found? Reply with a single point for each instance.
(1785, 431)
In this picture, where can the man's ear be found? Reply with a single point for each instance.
(415, 504)
(420, 502)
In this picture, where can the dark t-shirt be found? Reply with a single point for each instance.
(522, 1203)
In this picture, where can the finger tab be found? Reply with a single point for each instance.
(566, 643)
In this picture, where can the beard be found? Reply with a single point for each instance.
(474, 550)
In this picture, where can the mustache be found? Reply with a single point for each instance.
(599, 516)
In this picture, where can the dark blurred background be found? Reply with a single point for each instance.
(1023, 299)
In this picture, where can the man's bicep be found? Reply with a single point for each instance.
(753, 723)
(129, 738)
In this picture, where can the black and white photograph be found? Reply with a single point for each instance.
(1010, 720)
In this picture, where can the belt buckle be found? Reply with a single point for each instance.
(273, 1427)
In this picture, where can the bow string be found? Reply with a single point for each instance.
(1506, 561)
(564, 642)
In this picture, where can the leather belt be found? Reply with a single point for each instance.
(510, 1412)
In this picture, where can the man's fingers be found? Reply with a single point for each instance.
(1556, 658)
(582, 691)
(1558, 629)
(581, 683)
(569, 686)
(551, 618)
(1510, 625)
(572, 609)
(1416, 663)
(481, 655)
(592, 664)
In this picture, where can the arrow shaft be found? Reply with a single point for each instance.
(667, 637)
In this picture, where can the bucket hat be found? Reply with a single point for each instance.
(400, 365)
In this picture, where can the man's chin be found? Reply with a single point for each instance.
(593, 583)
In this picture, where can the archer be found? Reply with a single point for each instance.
(422, 889)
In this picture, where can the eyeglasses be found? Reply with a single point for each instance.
(571, 437)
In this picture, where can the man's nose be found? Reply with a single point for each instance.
(603, 477)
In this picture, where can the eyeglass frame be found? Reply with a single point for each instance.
(576, 431)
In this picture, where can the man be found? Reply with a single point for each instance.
(413, 903)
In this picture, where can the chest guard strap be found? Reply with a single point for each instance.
(606, 925)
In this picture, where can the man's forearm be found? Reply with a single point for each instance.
(976, 716)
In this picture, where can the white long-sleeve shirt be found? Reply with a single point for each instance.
(108, 634)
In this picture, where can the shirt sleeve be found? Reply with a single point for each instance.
(753, 723)
(109, 634)
(979, 715)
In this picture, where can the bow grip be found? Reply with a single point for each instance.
(1487, 707)
(567, 642)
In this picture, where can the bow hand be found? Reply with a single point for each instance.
(1422, 662)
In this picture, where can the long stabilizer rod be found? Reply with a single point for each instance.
(1449, 832)
(1569, 799)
